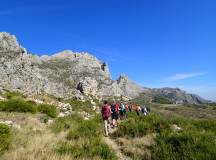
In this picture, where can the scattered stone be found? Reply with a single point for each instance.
(176, 128)
(2, 98)
(65, 109)
(61, 115)
(8, 123)
(50, 121)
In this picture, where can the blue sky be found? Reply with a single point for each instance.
(169, 43)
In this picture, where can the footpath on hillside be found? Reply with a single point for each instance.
(112, 144)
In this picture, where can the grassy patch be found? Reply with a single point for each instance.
(161, 100)
(50, 110)
(17, 105)
(80, 105)
(140, 126)
(10, 95)
(65, 123)
(196, 140)
(5, 138)
(84, 139)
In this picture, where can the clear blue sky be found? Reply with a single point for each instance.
(158, 43)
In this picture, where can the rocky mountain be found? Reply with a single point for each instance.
(70, 74)
(171, 95)
(64, 74)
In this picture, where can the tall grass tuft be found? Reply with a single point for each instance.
(17, 105)
(50, 110)
(5, 138)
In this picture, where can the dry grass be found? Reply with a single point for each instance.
(197, 112)
(137, 148)
(32, 139)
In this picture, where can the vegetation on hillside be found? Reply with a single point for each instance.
(195, 139)
(81, 105)
(5, 138)
(16, 102)
(84, 139)
(161, 100)
(49, 110)
(17, 105)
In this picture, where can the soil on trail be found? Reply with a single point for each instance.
(112, 144)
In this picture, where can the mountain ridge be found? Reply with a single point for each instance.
(67, 74)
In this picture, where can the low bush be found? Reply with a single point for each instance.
(5, 138)
(85, 129)
(65, 123)
(139, 126)
(17, 105)
(161, 100)
(50, 110)
(10, 95)
(84, 140)
(80, 105)
(195, 140)
(89, 149)
(185, 145)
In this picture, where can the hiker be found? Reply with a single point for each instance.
(138, 108)
(106, 113)
(122, 110)
(130, 108)
(144, 110)
(114, 111)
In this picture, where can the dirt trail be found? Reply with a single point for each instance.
(112, 144)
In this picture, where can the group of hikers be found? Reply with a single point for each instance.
(112, 113)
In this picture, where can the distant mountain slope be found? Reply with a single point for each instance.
(170, 95)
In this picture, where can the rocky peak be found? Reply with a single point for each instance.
(123, 78)
(9, 42)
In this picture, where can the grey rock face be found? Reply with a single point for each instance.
(64, 74)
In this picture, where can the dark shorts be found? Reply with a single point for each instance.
(105, 118)
(115, 116)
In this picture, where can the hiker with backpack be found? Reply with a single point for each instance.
(114, 111)
(144, 110)
(122, 110)
(106, 113)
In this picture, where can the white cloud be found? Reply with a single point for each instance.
(182, 76)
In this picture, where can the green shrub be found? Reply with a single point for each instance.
(87, 141)
(18, 105)
(50, 110)
(88, 129)
(5, 138)
(196, 140)
(185, 145)
(65, 123)
(80, 105)
(10, 95)
(140, 126)
(91, 149)
(161, 100)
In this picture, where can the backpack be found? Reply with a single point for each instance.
(122, 107)
(113, 109)
(105, 111)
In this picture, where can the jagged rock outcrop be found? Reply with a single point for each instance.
(64, 74)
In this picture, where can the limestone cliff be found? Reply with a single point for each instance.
(63, 74)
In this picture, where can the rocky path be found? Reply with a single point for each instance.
(112, 144)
